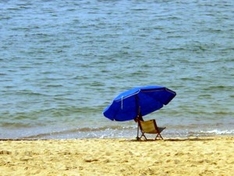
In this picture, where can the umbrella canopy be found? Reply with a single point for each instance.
(138, 101)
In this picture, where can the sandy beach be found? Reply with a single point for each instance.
(84, 157)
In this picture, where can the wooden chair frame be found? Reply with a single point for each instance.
(150, 127)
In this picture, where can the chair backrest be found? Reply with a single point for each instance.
(148, 126)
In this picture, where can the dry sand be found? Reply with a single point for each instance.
(91, 157)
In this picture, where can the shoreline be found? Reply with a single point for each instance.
(126, 138)
(117, 131)
(172, 156)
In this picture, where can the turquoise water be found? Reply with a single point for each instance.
(62, 63)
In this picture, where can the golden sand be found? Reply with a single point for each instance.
(91, 157)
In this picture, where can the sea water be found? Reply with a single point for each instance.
(63, 61)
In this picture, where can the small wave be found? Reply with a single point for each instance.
(29, 92)
(219, 132)
(219, 87)
(214, 132)
(106, 132)
(54, 85)
(86, 130)
(14, 125)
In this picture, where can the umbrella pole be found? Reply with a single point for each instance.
(137, 130)
(138, 120)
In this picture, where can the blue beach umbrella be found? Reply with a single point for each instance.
(138, 101)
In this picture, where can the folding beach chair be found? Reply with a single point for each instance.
(150, 127)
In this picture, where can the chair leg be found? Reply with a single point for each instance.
(143, 135)
(158, 135)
